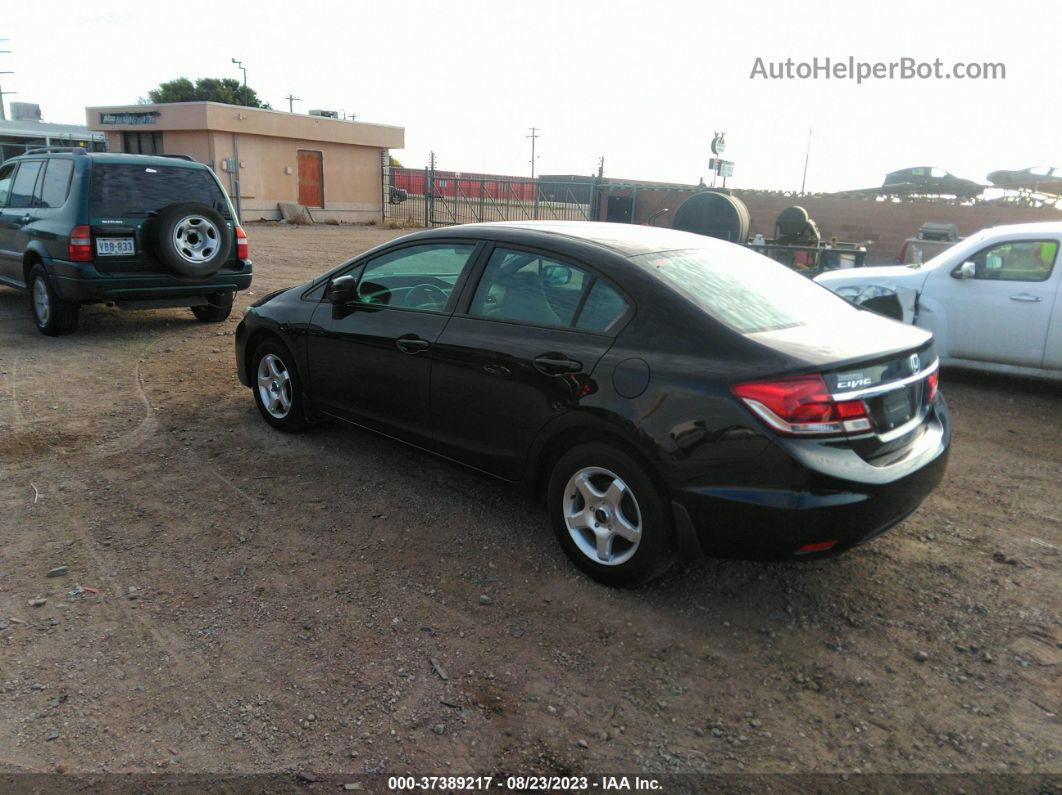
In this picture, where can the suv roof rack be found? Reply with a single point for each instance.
(179, 157)
(43, 150)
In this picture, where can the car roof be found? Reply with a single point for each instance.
(1039, 228)
(625, 239)
(115, 158)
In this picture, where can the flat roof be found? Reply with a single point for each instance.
(27, 128)
(219, 117)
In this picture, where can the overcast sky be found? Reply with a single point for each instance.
(645, 84)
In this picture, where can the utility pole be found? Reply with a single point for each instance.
(3, 115)
(807, 156)
(601, 167)
(533, 136)
(291, 102)
(239, 65)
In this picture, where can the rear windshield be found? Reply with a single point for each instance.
(122, 190)
(744, 290)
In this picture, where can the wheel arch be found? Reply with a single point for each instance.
(30, 257)
(556, 441)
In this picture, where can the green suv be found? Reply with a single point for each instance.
(133, 231)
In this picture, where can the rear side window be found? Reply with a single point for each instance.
(524, 287)
(744, 290)
(55, 183)
(120, 189)
(25, 179)
(603, 307)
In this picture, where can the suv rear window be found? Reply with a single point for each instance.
(120, 190)
(744, 290)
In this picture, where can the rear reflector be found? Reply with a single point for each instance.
(932, 382)
(803, 405)
(821, 546)
(80, 244)
(243, 251)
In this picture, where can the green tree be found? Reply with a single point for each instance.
(208, 89)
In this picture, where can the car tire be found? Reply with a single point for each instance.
(604, 503)
(214, 312)
(52, 314)
(192, 239)
(277, 387)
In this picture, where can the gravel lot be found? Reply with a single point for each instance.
(241, 600)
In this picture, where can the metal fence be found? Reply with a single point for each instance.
(428, 197)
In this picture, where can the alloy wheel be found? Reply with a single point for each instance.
(602, 516)
(274, 386)
(42, 303)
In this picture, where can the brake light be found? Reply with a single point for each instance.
(243, 251)
(931, 382)
(803, 405)
(80, 244)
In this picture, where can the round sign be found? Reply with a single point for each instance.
(719, 144)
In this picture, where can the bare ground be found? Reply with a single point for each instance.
(269, 602)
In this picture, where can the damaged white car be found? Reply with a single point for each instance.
(993, 301)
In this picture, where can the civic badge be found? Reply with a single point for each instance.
(915, 362)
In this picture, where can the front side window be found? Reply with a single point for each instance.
(22, 187)
(1017, 261)
(523, 287)
(7, 173)
(744, 290)
(415, 277)
(55, 183)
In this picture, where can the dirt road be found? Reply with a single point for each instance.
(274, 602)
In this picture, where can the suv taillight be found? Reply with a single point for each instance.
(803, 406)
(243, 251)
(81, 244)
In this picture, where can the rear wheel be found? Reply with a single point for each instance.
(219, 308)
(609, 515)
(53, 315)
(277, 388)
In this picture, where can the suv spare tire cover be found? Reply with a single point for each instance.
(192, 239)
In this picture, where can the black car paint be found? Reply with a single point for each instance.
(658, 385)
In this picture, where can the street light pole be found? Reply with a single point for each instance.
(240, 66)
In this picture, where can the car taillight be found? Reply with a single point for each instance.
(81, 244)
(931, 383)
(803, 405)
(243, 251)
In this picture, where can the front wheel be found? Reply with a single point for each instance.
(52, 314)
(277, 389)
(609, 515)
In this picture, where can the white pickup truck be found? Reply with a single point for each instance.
(993, 301)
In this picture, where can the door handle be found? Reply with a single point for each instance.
(1025, 297)
(411, 344)
(556, 364)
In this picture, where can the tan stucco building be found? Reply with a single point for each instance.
(332, 166)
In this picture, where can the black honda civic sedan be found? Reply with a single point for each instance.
(668, 394)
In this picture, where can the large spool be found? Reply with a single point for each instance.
(714, 214)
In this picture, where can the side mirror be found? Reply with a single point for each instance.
(965, 271)
(342, 290)
(556, 275)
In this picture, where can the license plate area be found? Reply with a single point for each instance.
(897, 407)
(115, 246)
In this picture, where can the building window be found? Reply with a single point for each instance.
(142, 143)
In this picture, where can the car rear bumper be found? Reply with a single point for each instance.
(843, 501)
(80, 282)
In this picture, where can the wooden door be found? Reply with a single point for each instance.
(311, 178)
